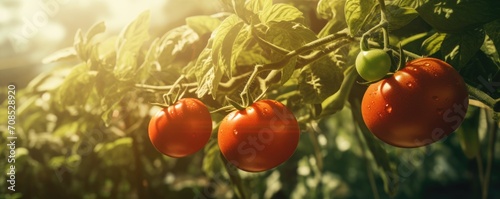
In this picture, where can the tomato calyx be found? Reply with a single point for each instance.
(168, 99)
(247, 101)
(235, 104)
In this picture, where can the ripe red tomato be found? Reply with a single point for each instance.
(181, 129)
(420, 104)
(260, 137)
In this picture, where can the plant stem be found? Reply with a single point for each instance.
(163, 88)
(491, 152)
(141, 189)
(317, 149)
(319, 54)
(234, 176)
(484, 98)
(382, 8)
(369, 170)
(244, 94)
(306, 47)
(268, 44)
(382, 25)
(337, 101)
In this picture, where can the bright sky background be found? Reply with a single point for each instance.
(32, 29)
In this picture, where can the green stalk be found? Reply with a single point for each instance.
(484, 98)
(369, 169)
(489, 163)
(336, 102)
(235, 178)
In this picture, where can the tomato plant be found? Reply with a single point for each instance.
(373, 64)
(87, 117)
(181, 129)
(259, 137)
(420, 104)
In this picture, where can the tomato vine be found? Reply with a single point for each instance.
(259, 50)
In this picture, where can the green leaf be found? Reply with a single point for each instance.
(115, 152)
(128, 46)
(410, 3)
(288, 70)
(211, 161)
(432, 44)
(56, 162)
(357, 13)
(454, 16)
(399, 17)
(149, 62)
(203, 63)
(328, 9)
(242, 40)
(94, 30)
(480, 72)
(334, 12)
(202, 24)
(256, 6)
(459, 48)
(61, 55)
(80, 45)
(210, 83)
(281, 12)
(468, 134)
(288, 35)
(174, 42)
(66, 128)
(240, 10)
(77, 87)
(492, 29)
(319, 80)
(223, 42)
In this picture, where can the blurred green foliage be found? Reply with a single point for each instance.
(82, 127)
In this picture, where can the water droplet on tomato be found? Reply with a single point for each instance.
(435, 74)
(379, 114)
(388, 108)
(415, 69)
(266, 111)
(436, 98)
(409, 84)
(235, 132)
(427, 64)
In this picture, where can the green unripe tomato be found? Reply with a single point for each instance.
(373, 64)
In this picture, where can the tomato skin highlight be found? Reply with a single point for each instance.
(419, 105)
(181, 129)
(260, 137)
